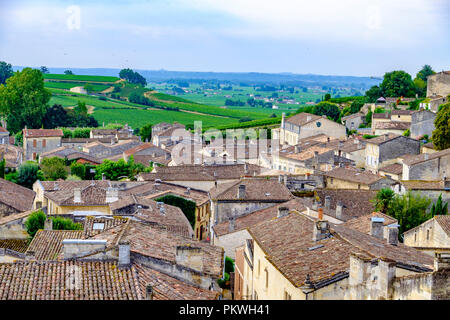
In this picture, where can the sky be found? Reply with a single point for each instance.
(329, 37)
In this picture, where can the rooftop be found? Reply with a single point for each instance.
(38, 133)
(426, 157)
(16, 196)
(353, 175)
(303, 118)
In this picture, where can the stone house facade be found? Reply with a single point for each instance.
(422, 123)
(37, 141)
(426, 166)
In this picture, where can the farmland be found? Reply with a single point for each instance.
(73, 77)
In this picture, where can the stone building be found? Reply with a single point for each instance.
(438, 84)
(426, 166)
(431, 236)
(353, 121)
(147, 153)
(235, 199)
(295, 257)
(351, 178)
(103, 150)
(13, 156)
(4, 136)
(305, 125)
(14, 198)
(422, 123)
(38, 141)
(385, 149)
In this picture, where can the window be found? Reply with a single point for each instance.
(267, 277)
(331, 180)
(359, 186)
(44, 143)
(34, 155)
(428, 234)
(34, 143)
(287, 296)
(415, 237)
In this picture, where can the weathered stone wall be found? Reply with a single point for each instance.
(225, 210)
(51, 143)
(231, 241)
(6, 210)
(422, 123)
(430, 170)
(398, 147)
(438, 84)
(14, 230)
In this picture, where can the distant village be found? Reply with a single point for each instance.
(305, 215)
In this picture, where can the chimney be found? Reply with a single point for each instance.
(241, 191)
(316, 154)
(124, 253)
(76, 195)
(29, 255)
(376, 227)
(308, 118)
(339, 207)
(231, 224)
(149, 292)
(297, 149)
(188, 190)
(386, 275)
(441, 261)
(167, 155)
(328, 139)
(162, 209)
(154, 154)
(391, 234)
(245, 168)
(314, 205)
(280, 178)
(283, 118)
(426, 156)
(320, 214)
(48, 224)
(321, 230)
(282, 212)
(327, 202)
(340, 144)
(285, 180)
(112, 194)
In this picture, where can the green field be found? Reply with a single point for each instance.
(73, 77)
(67, 85)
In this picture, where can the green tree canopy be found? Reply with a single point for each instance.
(425, 72)
(53, 168)
(6, 71)
(328, 109)
(68, 72)
(44, 69)
(373, 94)
(28, 173)
(397, 84)
(441, 133)
(383, 199)
(78, 169)
(439, 208)
(56, 116)
(132, 77)
(24, 100)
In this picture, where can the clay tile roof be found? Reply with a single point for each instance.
(353, 175)
(256, 189)
(362, 224)
(288, 244)
(355, 202)
(394, 125)
(158, 242)
(429, 145)
(423, 185)
(3, 129)
(444, 222)
(47, 244)
(18, 245)
(15, 196)
(307, 154)
(12, 155)
(354, 115)
(258, 216)
(167, 288)
(302, 118)
(37, 133)
(104, 131)
(395, 168)
(402, 112)
(384, 115)
(383, 138)
(47, 280)
(425, 157)
(91, 225)
(144, 146)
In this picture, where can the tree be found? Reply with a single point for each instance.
(328, 109)
(383, 199)
(112, 170)
(78, 169)
(6, 71)
(35, 222)
(425, 72)
(2, 168)
(56, 116)
(441, 134)
(409, 209)
(132, 77)
(146, 132)
(44, 69)
(24, 100)
(373, 94)
(28, 173)
(73, 178)
(68, 72)
(60, 223)
(327, 97)
(439, 208)
(407, 133)
(397, 84)
(54, 168)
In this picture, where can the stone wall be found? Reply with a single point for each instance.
(438, 84)
(431, 170)
(398, 147)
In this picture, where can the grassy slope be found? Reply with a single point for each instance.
(80, 78)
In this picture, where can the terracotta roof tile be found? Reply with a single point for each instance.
(16, 196)
(363, 223)
(395, 168)
(45, 280)
(444, 222)
(354, 175)
(302, 118)
(393, 125)
(425, 157)
(47, 244)
(37, 133)
(18, 245)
